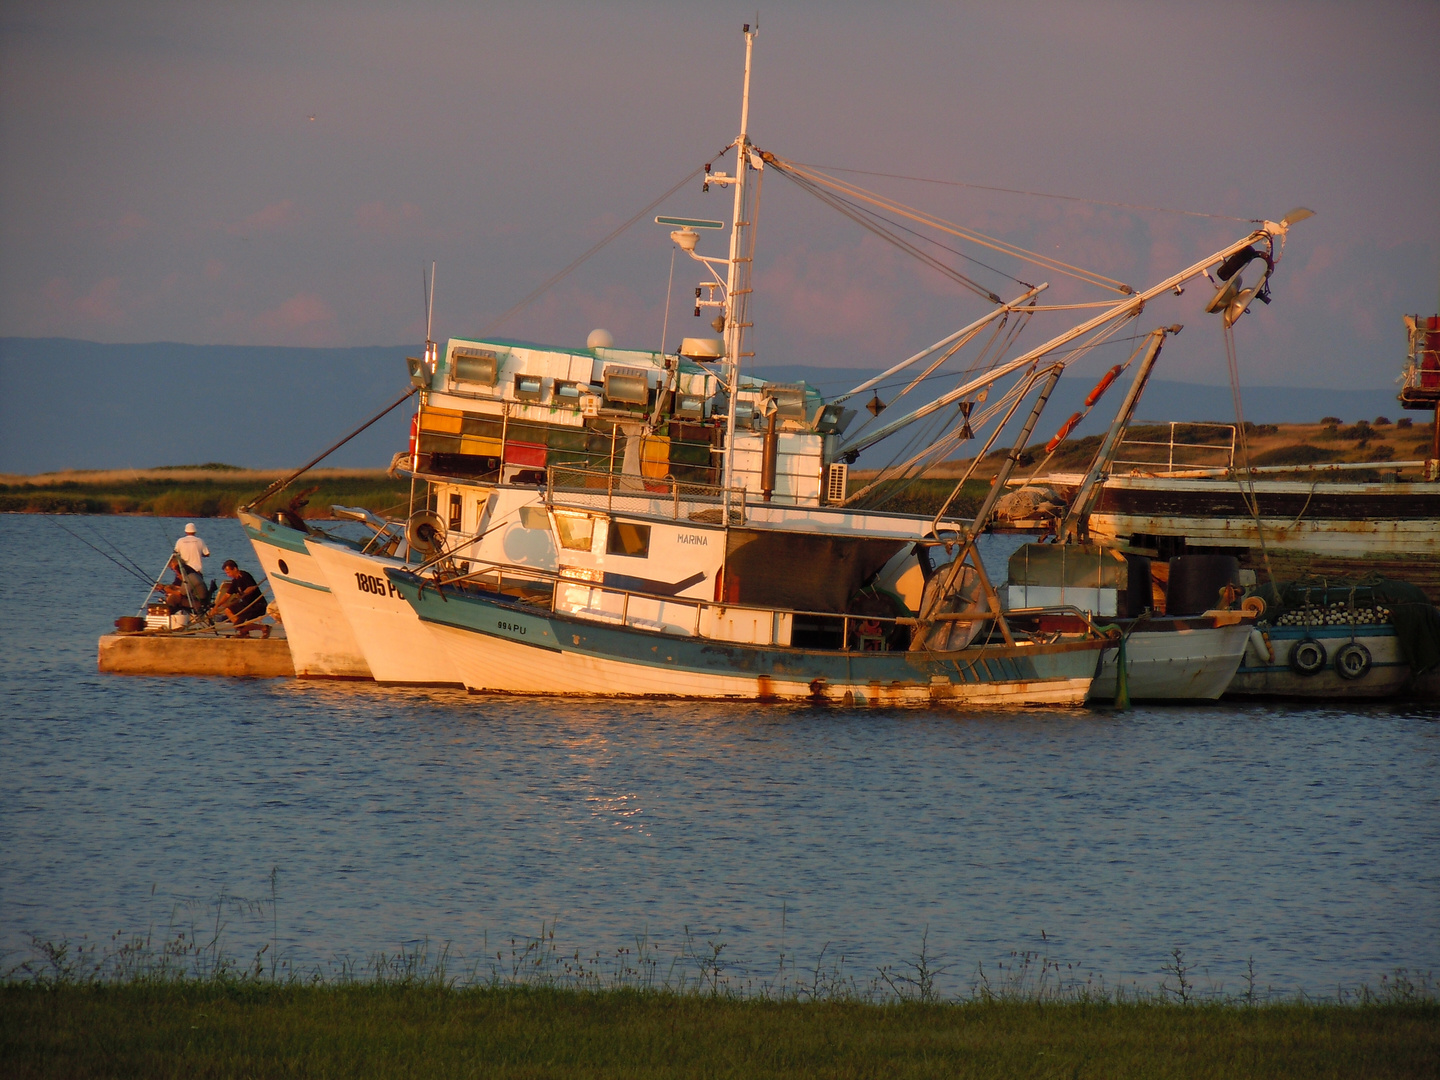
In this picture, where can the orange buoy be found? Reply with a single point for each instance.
(1103, 385)
(1063, 433)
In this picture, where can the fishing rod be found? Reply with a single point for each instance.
(115, 548)
(92, 547)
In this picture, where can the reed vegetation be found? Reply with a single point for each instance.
(193, 491)
(180, 1005)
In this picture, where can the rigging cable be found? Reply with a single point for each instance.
(1251, 503)
(955, 230)
(555, 278)
(856, 209)
(866, 221)
(944, 446)
(281, 484)
(1033, 194)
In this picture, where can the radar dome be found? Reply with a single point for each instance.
(600, 339)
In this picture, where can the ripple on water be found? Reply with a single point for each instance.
(1304, 837)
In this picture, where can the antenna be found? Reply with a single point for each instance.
(432, 353)
(429, 300)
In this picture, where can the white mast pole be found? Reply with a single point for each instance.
(737, 283)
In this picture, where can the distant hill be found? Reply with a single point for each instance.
(67, 404)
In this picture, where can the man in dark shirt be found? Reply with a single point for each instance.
(187, 592)
(240, 599)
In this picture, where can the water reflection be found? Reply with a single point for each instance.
(1305, 838)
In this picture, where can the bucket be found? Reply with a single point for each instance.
(179, 620)
(130, 624)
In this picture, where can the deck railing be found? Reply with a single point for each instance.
(663, 497)
(1179, 455)
(638, 611)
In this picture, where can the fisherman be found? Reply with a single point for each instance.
(192, 549)
(240, 600)
(187, 592)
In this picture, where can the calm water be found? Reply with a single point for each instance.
(1307, 838)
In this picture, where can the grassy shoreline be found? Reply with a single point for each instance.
(193, 491)
(250, 1029)
(183, 1005)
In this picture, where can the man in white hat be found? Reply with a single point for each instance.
(192, 549)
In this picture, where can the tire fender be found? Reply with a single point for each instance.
(1352, 661)
(1307, 657)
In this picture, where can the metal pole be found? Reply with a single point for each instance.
(925, 618)
(734, 331)
(1077, 516)
(1124, 309)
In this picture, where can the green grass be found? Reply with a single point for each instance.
(212, 496)
(181, 1005)
(243, 1030)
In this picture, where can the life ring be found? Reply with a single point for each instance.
(1307, 657)
(1352, 661)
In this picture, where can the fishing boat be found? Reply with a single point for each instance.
(729, 651)
(1330, 640)
(641, 505)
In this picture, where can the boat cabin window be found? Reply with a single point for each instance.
(455, 512)
(576, 530)
(628, 538)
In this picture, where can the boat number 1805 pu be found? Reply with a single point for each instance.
(374, 585)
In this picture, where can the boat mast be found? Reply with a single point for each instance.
(737, 286)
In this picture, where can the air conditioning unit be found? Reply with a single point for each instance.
(836, 481)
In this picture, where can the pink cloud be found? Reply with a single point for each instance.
(130, 226)
(101, 303)
(272, 218)
(851, 294)
(382, 220)
(304, 318)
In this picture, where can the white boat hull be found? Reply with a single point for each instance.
(1189, 664)
(494, 665)
(322, 646)
(397, 647)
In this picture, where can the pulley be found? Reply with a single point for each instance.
(425, 533)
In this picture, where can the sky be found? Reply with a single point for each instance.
(281, 174)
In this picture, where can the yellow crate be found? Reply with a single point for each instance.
(481, 446)
(655, 457)
(441, 421)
